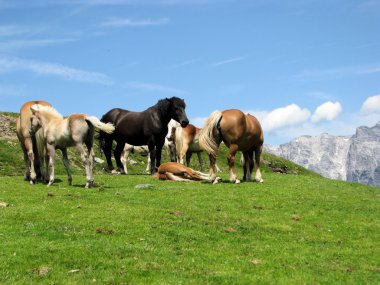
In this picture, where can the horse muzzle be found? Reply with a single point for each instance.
(184, 123)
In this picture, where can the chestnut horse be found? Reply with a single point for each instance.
(187, 143)
(178, 172)
(61, 133)
(142, 128)
(32, 142)
(239, 132)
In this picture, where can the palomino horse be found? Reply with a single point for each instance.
(187, 143)
(61, 133)
(239, 132)
(32, 142)
(178, 172)
(144, 150)
(142, 128)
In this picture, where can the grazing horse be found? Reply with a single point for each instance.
(239, 132)
(60, 133)
(178, 172)
(142, 128)
(32, 142)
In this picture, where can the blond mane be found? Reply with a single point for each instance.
(49, 110)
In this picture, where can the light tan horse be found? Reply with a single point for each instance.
(61, 133)
(178, 172)
(239, 132)
(32, 142)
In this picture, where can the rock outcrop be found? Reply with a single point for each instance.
(353, 158)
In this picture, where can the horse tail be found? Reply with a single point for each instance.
(108, 128)
(207, 139)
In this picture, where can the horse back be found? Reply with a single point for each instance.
(241, 129)
(23, 122)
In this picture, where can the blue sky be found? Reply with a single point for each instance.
(302, 67)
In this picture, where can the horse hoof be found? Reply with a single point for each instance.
(113, 171)
(31, 182)
(237, 181)
(216, 181)
(260, 180)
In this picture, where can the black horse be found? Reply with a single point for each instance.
(141, 128)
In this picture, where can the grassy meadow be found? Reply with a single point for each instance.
(295, 228)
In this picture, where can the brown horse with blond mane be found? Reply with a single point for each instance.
(239, 132)
(32, 142)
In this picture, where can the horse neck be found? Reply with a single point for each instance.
(47, 117)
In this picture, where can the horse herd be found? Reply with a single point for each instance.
(41, 130)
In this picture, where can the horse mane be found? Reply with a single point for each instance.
(47, 109)
(164, 104)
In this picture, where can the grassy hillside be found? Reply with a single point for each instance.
(292, 229)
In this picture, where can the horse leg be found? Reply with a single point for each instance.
(258, 176)
(172, 151)
(152, 155)
(188, 158)
(124, 159)
(26, 159)
(248, 165)
(66, 163)
(183, 152)
(117, 153)
(84, 157)
(91, 155)
(158, 155)
(108, 152)
(212, 173)
(51, 153)
(147, 164)
(231, 163)
(29, 150)
(200, 159)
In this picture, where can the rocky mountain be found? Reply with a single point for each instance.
(353, 158)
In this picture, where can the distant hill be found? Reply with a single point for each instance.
(353, 158)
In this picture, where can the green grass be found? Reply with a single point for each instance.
(292, 229)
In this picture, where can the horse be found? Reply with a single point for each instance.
(239, 132)
(128, 148)
(187, 143)
(32, 142)
(178, 172)
(148, 127)
(144, 150)
(61, 133)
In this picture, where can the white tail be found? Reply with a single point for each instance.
(207, 139)
(109, 128)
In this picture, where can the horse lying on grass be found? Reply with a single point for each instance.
(178, 172)
(61, 133)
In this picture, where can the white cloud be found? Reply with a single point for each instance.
(127, 22)
(13, 64)
(17, 44)
(227, 61)
(11, 30)
(371, 105)
(327, 111)
(154, 87)
(199, 121)
(283, 117)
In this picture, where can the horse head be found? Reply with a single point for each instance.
(177, 111)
